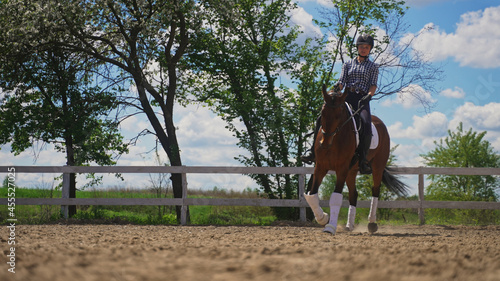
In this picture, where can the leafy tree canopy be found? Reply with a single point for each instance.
(463, 149)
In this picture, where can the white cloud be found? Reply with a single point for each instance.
(480, 118)
(325, 3)
(304, 20)
(494, 139)
(419, 138)
(421, 3)
(39, 154)
(435, 125)
(134, 124)
(411, 97)
(142, 153)
(472, 44)
(205, 141)
(457, 93)
(408, 155)
(199, 126)
(430, 126)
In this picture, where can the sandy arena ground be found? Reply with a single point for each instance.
(281, 252)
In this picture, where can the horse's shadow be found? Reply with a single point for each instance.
(405, 235)
(396, 235)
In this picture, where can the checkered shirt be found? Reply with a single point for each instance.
(359, 75)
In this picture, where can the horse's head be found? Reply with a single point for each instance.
(334, 102)
(331, 114)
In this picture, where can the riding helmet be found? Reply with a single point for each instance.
(365, 39)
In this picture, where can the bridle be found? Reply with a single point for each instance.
(337, 130)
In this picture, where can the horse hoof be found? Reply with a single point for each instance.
(349, 228)
(324, 220)
(330, 229)
(372, 227)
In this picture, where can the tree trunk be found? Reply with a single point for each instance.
(167, 141)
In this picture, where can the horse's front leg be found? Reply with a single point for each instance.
(353, 199)
(312, 197)
(335, 204)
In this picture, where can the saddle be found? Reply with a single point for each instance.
(357, 122)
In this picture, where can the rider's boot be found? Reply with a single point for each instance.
(364, 146)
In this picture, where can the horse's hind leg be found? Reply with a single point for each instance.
(372, 217)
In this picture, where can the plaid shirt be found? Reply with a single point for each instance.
(359, 75)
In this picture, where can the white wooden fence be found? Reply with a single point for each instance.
(65, 201)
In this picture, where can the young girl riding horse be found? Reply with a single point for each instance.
(336, 146)
(359, 78)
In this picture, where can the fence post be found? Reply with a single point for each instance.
(421, 198)
(184, 207)
(65, 194)
(302, 210)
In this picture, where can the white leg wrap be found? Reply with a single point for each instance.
(335, 204)
(372, 217)
(313, 201)
(350, 218)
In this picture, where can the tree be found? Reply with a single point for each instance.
(309, 74)
(463, 149)
(49, 97)
(235, 62)
(238, 55)
(139, 40)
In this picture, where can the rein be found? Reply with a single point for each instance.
(335, 132)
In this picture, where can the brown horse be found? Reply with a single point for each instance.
(335, 150)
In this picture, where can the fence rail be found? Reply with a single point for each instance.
(65, 201)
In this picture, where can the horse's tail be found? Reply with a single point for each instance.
(394, 184)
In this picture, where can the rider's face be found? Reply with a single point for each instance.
(364, 50)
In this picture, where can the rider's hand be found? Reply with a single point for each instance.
(368, 97)
(336, 88)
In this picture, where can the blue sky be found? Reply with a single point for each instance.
(464, 39)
